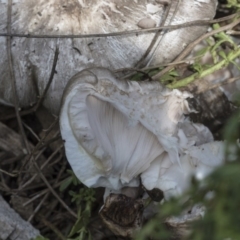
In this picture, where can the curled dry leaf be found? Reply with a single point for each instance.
(122, 214)
(33, 57)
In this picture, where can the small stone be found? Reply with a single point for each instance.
(146, 23)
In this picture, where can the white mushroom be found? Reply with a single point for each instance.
(117, 132)
(33, 57)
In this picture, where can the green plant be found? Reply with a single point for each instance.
(84, 200)
(218, 43)
(233, 4)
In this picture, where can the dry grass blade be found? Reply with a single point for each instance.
(42, 167)
(13, 80)
(114, 34)
(158, 34)
(41, 98)
(9, 174)
(54, 229)
(53, 191)
(228, 81)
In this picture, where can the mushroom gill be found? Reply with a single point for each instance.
(117, 132)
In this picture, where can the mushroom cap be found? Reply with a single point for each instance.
(33, 57)
(174, 180)
(116, 131)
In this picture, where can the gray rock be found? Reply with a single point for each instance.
(12, 226)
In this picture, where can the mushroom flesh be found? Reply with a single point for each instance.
(117, 132)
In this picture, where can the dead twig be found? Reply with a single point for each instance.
(157, 34)
(47, 194)
(41, 143)
(21, 170)
(41, 98)
(52, 227)
(12, 160)
(55, 59)
(57, 179)
(31, 131)
(227, 81)
(36, 197)
(10, 141)
(41, 193)
(114, 34)
(232, 32)
(45, 144)
(134, 70)
(8, 173)
(42, 167)
(13, 80)
(3, 183)
(38, 207)
(56, 161)
(53, 191)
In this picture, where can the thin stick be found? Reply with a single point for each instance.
(41, 144)
(38, 207)
(36, 197)
(33, 177)
(63, 168)
(41, 193)
(53, 191)
(24, 141)
(12, 160)
(227, 81)
(156, 36)
(52, 227)
(46, 196)
(31, 131)
(114, 34)
(55, 59)
(42, 167)
(134, 70)
(41, 98)
(8, 173)
(232, 32)
(163, 34)
(3, 183)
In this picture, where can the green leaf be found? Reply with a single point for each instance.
(202, 51)
(236, 65)
(174, 73)
(214, 56)
(197, 67)
(222, 54)
(65, 184)
(170, 76)
(78, 227)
